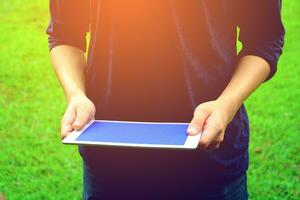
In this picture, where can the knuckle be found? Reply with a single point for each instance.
(82, 111)
(204, 144)
(72, 104)
(83, 118)
(218, 126)
(87, 108)
(80, 120)
(219, 140)
(91, 109)
(200, 110)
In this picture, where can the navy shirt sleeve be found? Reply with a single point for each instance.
(69, 23)
(261, 30)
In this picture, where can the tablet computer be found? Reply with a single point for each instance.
(134, 134)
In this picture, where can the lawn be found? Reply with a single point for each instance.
(35, 165)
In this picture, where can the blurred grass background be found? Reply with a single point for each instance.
(35, 165)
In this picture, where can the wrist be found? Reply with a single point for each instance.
(230, 105)
(74, 94)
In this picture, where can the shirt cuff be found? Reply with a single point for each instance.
(53, 42)
(270, 53)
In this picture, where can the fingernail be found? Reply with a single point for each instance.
(192, 130)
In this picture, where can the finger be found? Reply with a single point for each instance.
(213, 146)
(66, 130)
(210, 132)
(197, 123)
(92, 115)
(67, 121)
(220, 137)
(83, 115)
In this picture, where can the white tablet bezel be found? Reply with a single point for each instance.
(190, 143)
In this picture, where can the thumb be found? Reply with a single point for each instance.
(67, 121)
(198, 121)
(82, 118)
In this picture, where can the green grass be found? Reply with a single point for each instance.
(34, 164)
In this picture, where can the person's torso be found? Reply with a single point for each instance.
(157, 60)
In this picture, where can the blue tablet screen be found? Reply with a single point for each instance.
(138, 133)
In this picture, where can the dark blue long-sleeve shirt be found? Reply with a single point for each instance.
(157, 60)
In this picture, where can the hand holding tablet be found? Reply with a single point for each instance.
(134, 134)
